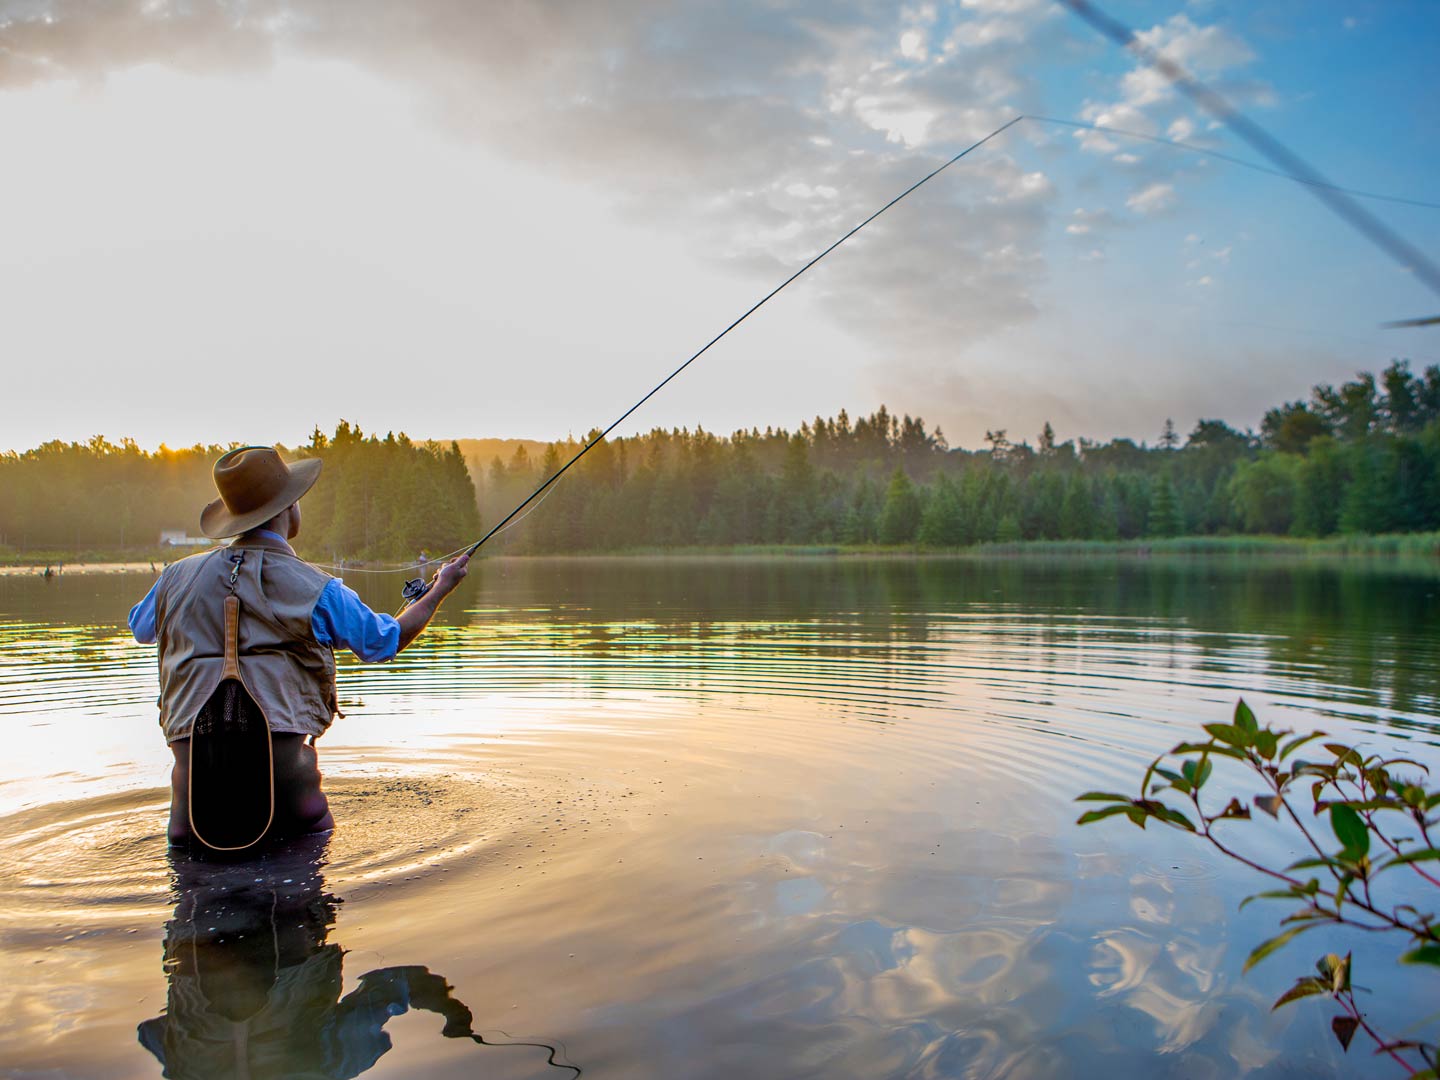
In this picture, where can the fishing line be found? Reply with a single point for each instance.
(754, 308)
(416, 588)
(1192, 148)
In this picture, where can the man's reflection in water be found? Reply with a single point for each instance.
(254, 985)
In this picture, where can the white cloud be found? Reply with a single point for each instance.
(1181, 129)
(1200, 50)
(1121, 116)
(1154, 199)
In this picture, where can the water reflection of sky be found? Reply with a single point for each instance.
(719, 819)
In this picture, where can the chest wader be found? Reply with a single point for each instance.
(231, 795)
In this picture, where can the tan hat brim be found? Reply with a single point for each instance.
(217, 522)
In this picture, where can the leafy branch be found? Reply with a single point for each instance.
(1380, 814)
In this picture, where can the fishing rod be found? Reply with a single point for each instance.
(418, 587)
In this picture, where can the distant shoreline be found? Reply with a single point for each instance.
(1407, 545)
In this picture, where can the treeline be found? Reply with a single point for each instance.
(378, 498)
(1364, 457)
(1361, 457)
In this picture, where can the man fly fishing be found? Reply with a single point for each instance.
(246, 636)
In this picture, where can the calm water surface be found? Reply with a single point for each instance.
(721, 818)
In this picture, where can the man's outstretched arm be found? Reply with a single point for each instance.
(342, 620)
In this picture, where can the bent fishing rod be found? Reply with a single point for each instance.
(418, 587)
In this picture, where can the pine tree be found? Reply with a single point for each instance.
(1164, 509)
(942, 523)
(900, 518)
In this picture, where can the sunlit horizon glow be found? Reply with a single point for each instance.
(262, 224)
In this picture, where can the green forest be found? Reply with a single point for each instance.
(1363, 457)
(378, 498)
(1360, 458)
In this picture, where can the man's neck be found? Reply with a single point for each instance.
(264, 536)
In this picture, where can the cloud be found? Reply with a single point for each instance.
(1207, 52)
(1154, 199)
(1088, 222)
(763, 133)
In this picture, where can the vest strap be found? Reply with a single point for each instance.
(231, 670)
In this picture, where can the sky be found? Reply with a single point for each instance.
(232, 222)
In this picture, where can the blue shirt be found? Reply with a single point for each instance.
(340, 619)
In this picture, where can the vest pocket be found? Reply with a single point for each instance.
(232, 785)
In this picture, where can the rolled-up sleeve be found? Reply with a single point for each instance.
(142, 617)
(342, 620)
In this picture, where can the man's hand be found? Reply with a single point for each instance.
(413, 619)
(451, 574)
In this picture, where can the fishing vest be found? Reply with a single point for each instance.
(290, 675)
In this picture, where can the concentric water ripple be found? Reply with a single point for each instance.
(100, 862)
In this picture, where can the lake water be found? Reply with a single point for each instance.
(707, 818)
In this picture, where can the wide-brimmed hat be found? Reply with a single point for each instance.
(255, 484)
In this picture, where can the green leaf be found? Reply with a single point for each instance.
(1102, 796)
(1277, 894)
(1422, 855)
(1295, 744)
(1407, 761)
(1344, 1028)
(1350, 830)
(1425, 954)
(1136, 815)
(1342, 889)
(1099, 815)
(1306, 864)
(1244, 718)
(1197, 772)
(1303, 988)
(1266, 742)
(1265, 948)
(1208, 748)
(1345, 755)
(1375, 804)
(1164, 813)
(1230, 734)
(1269, 803)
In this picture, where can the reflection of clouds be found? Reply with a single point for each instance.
(1167, 982)
(1174, 980)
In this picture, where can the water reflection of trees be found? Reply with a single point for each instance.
(254, 983)
(1354, 624)
(1361, 624)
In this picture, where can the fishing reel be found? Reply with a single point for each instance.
(415, 588)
